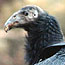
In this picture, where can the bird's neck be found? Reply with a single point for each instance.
(43, 34)
(40, 35)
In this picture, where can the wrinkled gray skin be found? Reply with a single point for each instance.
(20, 17)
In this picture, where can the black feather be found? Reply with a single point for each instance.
(42, 33)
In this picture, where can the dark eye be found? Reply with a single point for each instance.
(25, 13)
(34, 14)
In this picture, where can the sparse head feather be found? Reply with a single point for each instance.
(25, 15)
(35, 7)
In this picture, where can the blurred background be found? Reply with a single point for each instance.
(12, 43)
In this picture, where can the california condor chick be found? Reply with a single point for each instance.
(44, 32)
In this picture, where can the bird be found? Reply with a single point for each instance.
(45, 37)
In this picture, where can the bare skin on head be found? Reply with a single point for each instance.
(23, 16)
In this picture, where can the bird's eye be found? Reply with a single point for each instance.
(25, 13)
(34, 14)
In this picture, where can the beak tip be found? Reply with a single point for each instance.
(6, 28)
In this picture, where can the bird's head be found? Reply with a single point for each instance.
(24, 16)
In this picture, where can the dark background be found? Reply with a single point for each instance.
(12, 43)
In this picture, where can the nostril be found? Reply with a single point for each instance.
(14, 15)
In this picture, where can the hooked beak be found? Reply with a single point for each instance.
(11, 22)
(10, 26)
